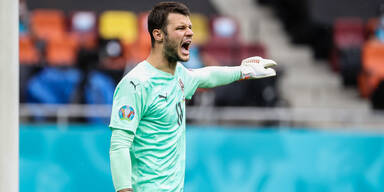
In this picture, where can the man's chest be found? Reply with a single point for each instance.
(167, 102)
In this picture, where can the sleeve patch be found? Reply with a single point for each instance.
(126, 112)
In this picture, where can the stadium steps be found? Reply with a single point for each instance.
(306, 82)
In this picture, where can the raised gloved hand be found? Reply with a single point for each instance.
(257, 67)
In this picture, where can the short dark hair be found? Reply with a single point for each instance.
(157, 18)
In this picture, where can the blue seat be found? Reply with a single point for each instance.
(99, 90)
(53, 85)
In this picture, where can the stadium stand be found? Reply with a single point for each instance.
(120, 39)
(348, 37)
(96, 41)
(340, 35)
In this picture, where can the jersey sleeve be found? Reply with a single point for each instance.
(209, 77)
(191, 83)
(128, 105)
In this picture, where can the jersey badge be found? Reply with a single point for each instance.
(126, 112)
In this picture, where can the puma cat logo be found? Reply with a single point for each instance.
(134, 86)
(164, 97)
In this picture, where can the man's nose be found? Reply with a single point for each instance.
(189, 32)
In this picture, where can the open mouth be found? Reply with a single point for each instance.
(185, 46)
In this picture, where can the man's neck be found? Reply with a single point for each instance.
(157, 59)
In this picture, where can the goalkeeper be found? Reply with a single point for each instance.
(147, 151)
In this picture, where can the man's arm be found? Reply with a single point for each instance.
(213, 76)
(250, 68)
(121, 167)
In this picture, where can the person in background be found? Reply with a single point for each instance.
(380, 27)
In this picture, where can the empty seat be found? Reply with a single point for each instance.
(140, 49)
(347, 33)
(28, 53)
(251, 49)
(29, 58)
(53, 85)
(120, 25)
(224, 54)
(200, 27)
(47, 24)
(62, 51)
(99, 90)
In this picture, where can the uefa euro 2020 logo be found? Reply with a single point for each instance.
(126, 112)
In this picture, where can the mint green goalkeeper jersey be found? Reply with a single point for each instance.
(151, 104)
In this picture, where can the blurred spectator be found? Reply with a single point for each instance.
(380, 25)
(23, 17)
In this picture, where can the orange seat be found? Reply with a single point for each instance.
(47, 24)
(62, 51)
(140, 49)
(373, 67)
(28, 53)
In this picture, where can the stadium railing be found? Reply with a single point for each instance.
(343, 118)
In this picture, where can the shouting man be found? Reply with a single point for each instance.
(147, 150)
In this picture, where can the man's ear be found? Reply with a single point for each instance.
(158, 35)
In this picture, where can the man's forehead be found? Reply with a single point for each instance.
(176, 18)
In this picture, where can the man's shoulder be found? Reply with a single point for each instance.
(182, 69)
(139, 74)
(185, 72)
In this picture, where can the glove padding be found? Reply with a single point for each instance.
(256, 68)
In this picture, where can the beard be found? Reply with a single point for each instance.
(170, 51)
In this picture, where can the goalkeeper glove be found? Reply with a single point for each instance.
(256, 68)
